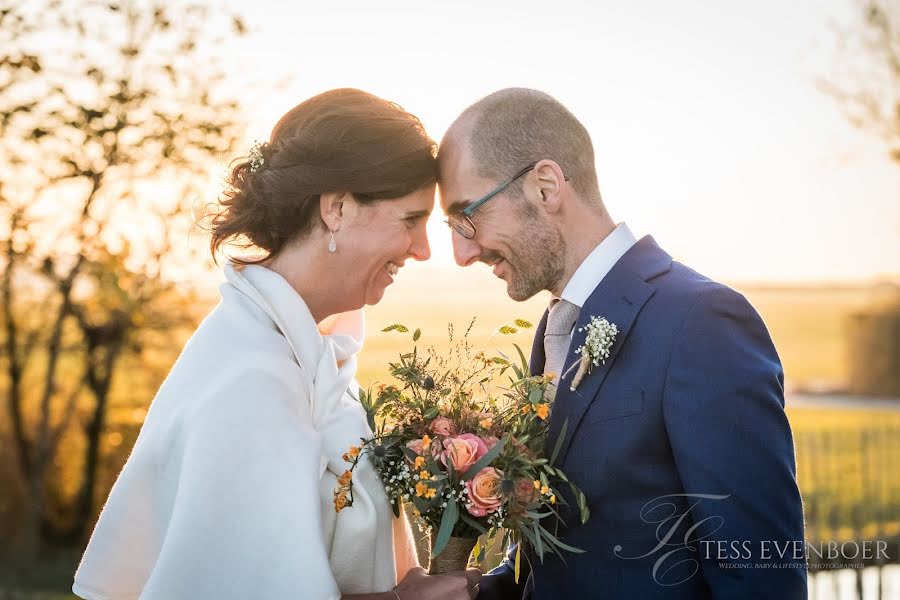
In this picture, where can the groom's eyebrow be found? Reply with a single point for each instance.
(458, 206)
(418, 213)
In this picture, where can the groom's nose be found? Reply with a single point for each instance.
(465, 251)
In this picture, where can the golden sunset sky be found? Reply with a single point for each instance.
(709, 130)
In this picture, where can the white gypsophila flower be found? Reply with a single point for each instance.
(601, 334)
(257, 160)
(599, 339)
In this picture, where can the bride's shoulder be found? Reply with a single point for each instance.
(262, 388)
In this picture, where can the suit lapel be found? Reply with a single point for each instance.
(536, 364)
(619, 298)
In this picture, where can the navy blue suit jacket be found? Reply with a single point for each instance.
(680, 443)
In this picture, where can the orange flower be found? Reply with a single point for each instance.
(421, 488)
(486, 423)
(526, 408)
(351, 454)
(344, 480)
(420, 462)
(340, 500)
(426, 443)
(543, 410)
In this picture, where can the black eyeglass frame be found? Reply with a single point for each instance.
(461, 221)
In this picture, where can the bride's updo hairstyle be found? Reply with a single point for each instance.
(343, 140)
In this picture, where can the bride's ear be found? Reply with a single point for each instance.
(331, 208)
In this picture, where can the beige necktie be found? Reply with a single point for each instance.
(557, 338)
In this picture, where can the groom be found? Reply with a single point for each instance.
(679, 439)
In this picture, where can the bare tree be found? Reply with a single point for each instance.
(111, 116)
(866, 76)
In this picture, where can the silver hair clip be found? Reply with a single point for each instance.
(257, 160)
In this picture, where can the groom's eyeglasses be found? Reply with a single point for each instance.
(461, 221)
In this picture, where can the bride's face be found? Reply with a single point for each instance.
(378, 238)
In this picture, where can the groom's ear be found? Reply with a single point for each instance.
(331, 208)
(550, 181)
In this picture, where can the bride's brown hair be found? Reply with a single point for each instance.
(343, 140)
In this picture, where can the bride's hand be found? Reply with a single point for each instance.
(461, 585)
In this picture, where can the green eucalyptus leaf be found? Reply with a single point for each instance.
(448, 521)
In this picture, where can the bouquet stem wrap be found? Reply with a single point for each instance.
(454, 556)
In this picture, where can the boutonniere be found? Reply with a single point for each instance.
(599, 339)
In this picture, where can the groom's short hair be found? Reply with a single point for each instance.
(513, 127)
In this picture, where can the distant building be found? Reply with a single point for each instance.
(873, 345)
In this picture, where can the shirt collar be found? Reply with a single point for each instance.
(597, 264)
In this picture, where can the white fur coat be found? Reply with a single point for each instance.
(228, 490)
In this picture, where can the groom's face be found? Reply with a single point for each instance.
(512, 235)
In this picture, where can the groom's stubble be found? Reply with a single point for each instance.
(537, 256)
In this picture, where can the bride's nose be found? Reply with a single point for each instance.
(419, 248)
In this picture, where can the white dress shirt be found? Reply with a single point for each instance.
(597, 265)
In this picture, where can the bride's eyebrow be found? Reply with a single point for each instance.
(417, 213)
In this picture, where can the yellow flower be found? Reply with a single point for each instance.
(430, 492)
(486, 423)
(543, 410)
(420, 462)
(537, 484)
(344, 479)
(550, 376)
(552, 499)
(424, 475)
(426, 442)
(545, 490)
(526, 408)
(421, 489)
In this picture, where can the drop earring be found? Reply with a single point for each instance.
(332, 244)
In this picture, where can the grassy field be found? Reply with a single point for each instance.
(807, 323)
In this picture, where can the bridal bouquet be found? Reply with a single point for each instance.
(466, 452)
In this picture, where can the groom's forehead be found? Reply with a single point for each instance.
(459, 184)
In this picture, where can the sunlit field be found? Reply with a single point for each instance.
(807, 323)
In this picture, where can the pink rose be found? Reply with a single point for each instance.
(415, 446)
(443, 426)
(462, 451)
(525, 490)
(484, 492)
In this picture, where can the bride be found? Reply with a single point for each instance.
(228, 492)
